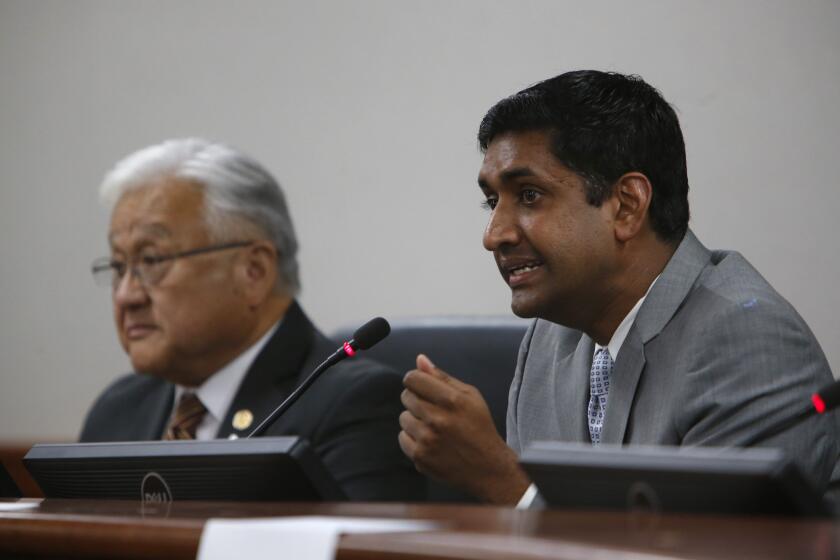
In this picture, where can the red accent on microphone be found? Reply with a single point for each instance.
(818, 402)
(349, 349)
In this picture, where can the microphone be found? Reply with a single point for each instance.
(365, 337)
(823, 401)
(827, 398)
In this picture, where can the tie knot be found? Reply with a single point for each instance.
(599, 378)
(188, 415)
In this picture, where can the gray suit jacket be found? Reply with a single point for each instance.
(713, 355)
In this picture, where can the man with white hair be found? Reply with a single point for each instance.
(203, 276)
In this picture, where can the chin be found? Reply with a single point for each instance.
(540, 306)
(148, 369)
(147, 362)
(524, 308)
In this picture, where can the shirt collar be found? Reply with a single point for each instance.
(218, 391)
(623, 329)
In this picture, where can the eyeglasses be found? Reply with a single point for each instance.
(149, 269)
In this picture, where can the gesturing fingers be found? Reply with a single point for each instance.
(420, 443)
(434, 385)
(411, 425)
(413, 439)
(425, 386)
(407, 444)
(425, 365)
(416, 405)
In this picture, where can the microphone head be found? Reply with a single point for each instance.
(371, 333)
(830, 395)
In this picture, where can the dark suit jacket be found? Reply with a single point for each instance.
(715, 354)
(349, 415)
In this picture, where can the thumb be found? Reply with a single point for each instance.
(426, 365)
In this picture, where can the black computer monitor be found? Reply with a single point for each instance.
(259, 469)
(755, 481)
(8, 488)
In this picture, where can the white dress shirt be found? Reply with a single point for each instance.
(623, 329)
(217, 392)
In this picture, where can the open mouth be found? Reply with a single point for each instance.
(520, 272)
(523, 268)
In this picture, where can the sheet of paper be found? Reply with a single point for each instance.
(18, 506)
(303, 538)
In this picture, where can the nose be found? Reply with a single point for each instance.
(129, 291)
(502, 228)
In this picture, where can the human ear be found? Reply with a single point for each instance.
(633, 193)
(258, 272)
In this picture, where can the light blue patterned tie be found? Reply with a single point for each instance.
(599, 389)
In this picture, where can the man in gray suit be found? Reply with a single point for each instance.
(642, 335)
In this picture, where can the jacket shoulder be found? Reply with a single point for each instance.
(124, 410)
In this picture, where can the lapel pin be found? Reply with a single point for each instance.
(242, 419)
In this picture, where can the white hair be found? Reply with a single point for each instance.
(237, 189)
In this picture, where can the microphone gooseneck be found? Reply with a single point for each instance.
(365, 337)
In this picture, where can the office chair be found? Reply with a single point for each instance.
(480, 351)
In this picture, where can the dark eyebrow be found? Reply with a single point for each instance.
(517, 173)
(509, 175)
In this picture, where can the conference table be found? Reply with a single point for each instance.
(129, 529)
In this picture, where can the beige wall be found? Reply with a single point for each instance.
(367, 112)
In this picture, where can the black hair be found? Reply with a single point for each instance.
(602, 125)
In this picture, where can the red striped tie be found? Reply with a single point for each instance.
(187, 417)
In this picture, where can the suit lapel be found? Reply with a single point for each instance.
(274, 373)
(665, 297)
(671, 288)
(623, 381)
(572, 392)
(156, 407)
